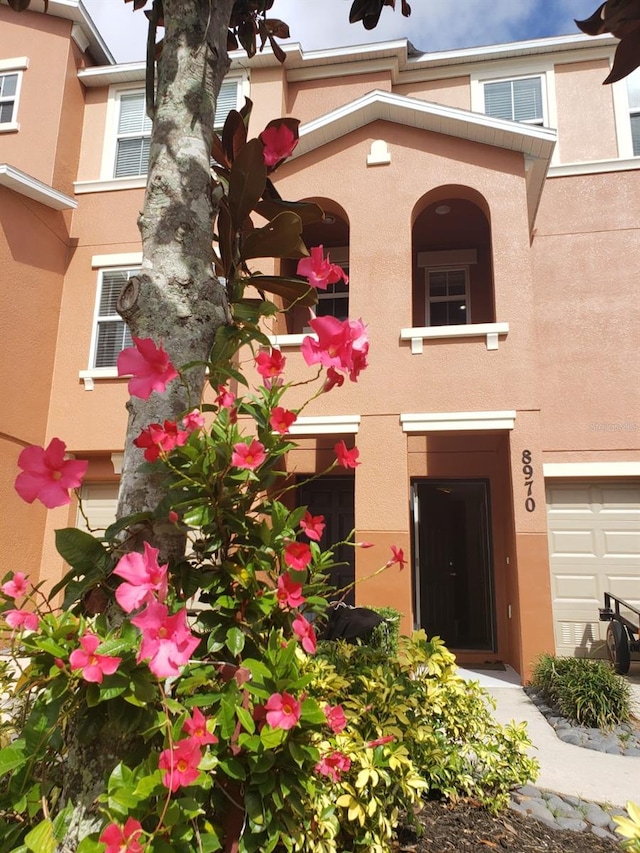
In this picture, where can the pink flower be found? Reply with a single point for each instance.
(248, 456)
(181, 764)
(279, 140)
(173, 516)
(380, 741)
(398, 557)
(158, 439)
(145, 579)
(149, 367)
(122, 839)
(313, 525)
(270, 364)
(225, 398)
(283, 711)
(333, 765)
(47, 475)
(289, 593)
(17, 586)
(297, 555)
(281, 419)
(196, 728)
(193, 421)
(346, 458)
(336, 719)
(94, 667)
(341, 344)
(166, 640)
(319, 270)
(364, 544)
(333, 378)
(22, 619)
(305, 633)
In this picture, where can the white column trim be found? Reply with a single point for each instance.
(326, 425)
(591, 469)
(457, 421)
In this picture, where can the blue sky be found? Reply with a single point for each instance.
(434, 24)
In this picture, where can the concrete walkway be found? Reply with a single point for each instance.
(564, 768)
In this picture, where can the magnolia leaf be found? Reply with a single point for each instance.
(234, 135)
(218, 153)
(291, 289)
(225, 238)
(277, 28)
(247, 180)
(19, 5)
(306, 210)
(281, 238)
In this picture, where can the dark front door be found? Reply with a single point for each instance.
(333, 497)
(454, 580)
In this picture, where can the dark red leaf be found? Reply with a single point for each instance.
(277, 28)
(19, 5)
(627, 57)
(246, 182)
(234, 135)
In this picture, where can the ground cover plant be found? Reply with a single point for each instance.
(586, 691)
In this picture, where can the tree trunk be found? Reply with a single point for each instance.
(176, 298)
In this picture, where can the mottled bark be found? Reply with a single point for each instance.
(176, 299)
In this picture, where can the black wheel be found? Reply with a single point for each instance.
(618, 647)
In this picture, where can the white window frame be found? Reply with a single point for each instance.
(429, 300)
(338, 255)
(109, 149)
(623, 112)
(99, 318)
(10, 67)
(541, 122)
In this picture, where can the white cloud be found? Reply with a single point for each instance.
(434, 24)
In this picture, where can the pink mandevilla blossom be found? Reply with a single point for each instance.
(333, 765)
(158, 438)
(346, 458)
(193, 421)
(149, 367)
(196, 727)
(380, 741)
(336, 719)
(122, 839)
(333, 378)
(180, 764)
(167, 641)
(398, 557)
(364, 544)
(305, 633)
(297, 555)
(47, 475)
(283, 711)
(313, 525)
(279, 140)
(249, 456)
(270, 365)
(225, 398)
(146, 580)
(94, 667)
(281, 419)
(289, 593)
(22, 619)
(17, 586)
(319, 270)
(341, 344)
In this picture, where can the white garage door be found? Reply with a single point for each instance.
(99, 502)
(594, 547)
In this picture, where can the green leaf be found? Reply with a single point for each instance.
(88, 845)
(11, 757)
(306, 210)
(292, 289)
(235, 640)
(280, 238)
(246, 719)
(247, 180)
(123, 523)
(41, 838)
(233, 768)
(80, 549)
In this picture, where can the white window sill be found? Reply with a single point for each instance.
(89, 376)
(137, 183)
(290, 340)
(10, 127)
(418, 335)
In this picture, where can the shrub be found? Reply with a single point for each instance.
(586, 691)
(385, 636)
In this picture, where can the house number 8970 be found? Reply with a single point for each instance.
(527, 470)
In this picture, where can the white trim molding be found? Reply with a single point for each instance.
(124, 259)
(326, 425)
(418, 335)
(18, 181)
(89, 376)
(19, 63)
(594, 167)
(457, 421)
(117, 460)
(591, 469)
(81, 187)
(289, 340)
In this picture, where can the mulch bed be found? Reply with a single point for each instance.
(468, 828)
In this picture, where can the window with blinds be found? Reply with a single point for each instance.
(134, 128)
(448, 297)
(516, 100)
(633, 93)
(111, 334)
(8, 97)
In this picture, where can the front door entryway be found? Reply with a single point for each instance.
(333, 497)
(454, 573)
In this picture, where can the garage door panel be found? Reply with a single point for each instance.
(99, 503)
(594, 547)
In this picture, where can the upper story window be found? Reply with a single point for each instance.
(448, 297)
(518, 99)
(334, 301)
(110, 334)
(10, 82)
(633, 93)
